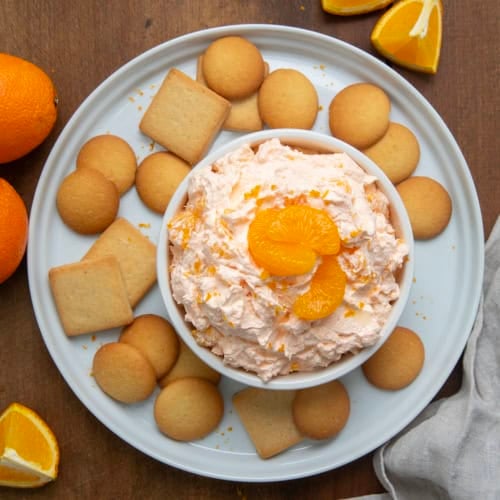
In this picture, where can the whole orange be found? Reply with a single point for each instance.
(13, 229)
(28, 108)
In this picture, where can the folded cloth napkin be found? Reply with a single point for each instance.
(452, 449)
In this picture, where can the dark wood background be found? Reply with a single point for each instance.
(80, 44)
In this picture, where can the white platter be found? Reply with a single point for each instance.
(443, 300)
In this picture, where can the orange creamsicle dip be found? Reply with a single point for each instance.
(245, 313)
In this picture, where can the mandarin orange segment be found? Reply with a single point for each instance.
(286, 241)
(306, 225)
(325, 293)
(280, 258)
(409, 34)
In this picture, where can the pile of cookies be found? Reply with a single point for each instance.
(234, 90)
(277, 420)
(360, 115)
(100, 291)
(149, 353)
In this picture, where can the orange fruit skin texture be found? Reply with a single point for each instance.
(28, 108)
(13, 230)
(353, 7)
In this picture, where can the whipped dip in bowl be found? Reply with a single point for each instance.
(285, 259)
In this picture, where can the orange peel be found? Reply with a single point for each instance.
(353, 7)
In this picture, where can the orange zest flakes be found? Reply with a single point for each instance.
(253, 193)
(220, 251)
(326, 292)
(197, 266)
(287, 241)
(185, 222)
(300, 199)
(264, 275)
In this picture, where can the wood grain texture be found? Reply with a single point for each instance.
(79, 44)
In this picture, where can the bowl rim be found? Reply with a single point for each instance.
(296, 380)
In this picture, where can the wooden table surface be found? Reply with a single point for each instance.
(79, 44)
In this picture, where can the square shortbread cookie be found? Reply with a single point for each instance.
(90, 295)
(135, 253)
(268, 419)
(184, 116)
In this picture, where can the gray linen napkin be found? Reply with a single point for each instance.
(452, 449)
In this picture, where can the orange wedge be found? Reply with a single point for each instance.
(326, 292)
(353, 7)
(29, 453)
(409, 34)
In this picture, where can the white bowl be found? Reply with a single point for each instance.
(399, 218)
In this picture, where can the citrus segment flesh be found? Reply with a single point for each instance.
(325, 293)
(29, 453)
(281, 258)
(10, 476)
(352, 7)
(409, 34)
(307, 225)
(286, 241)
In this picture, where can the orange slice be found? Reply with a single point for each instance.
(29, 453)
(352, 7)
(326, 292)
(409, 34)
